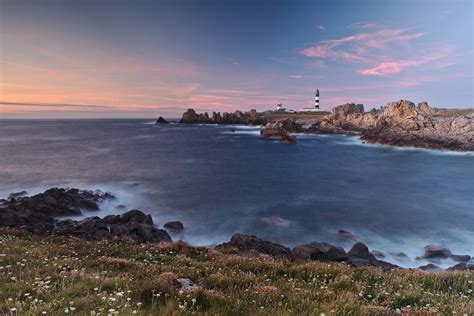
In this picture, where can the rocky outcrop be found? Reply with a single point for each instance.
(254, 245)
(251, 117)
(133, 225)
(315, 251)
(282, 130)
(161, 120)
(462, 267)
(436, 252)
(402, 123)
(39, 214)
(320, 251)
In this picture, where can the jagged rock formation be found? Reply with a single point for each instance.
(251, 117)
(401, 123)
(37, 214)
(281, 129)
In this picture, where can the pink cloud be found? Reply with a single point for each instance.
(396, 66)
(387, 68)
(357, 47)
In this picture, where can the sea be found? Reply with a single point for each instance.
(222, 180)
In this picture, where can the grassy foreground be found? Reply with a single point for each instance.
(57, 275)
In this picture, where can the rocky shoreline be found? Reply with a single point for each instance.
(400, 123)
(41, 214)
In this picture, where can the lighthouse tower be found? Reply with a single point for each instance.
(316, 99)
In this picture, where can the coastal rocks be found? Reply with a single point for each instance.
(161, 120)
(361, 251)
(320, 251)
(251, 117)
(59, 202)
(462, 267)
(16, 195)
(401, 123)
(174, 226)
(281, 129)
(133, 225)
(430, 268)
(37, 214)
(436, 251)
(254, 245)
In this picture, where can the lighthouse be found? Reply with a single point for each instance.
(316, 100)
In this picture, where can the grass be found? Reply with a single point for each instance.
(59, 275)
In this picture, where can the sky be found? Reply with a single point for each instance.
(98, 59)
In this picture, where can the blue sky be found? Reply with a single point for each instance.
(143, 58)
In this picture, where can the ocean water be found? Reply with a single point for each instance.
(220, 180)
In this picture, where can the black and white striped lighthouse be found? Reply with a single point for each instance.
(316, 99)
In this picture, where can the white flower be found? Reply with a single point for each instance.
(13, 309)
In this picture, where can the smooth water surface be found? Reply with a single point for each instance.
(219, 180)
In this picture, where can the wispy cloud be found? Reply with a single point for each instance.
(320, 27)
(355, 48)
(396, 66)
(295, 76)
(377, 51)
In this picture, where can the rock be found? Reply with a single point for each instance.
(424, 107)
(175, 225)
(462, 267)
(430, 267)
(161, 120)
(133, 225)
(361, 251)
(36, 214)
(253, 244)
(136, 216)
(401, 123)
(184, 284)
(238, 117)
(359, 255)
(288, 139)
(320, 251)
(460, 258)
(16, 195)
(281, 129)
(346, 235)
(436, 251)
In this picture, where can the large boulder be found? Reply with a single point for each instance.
(320, 251)
(254, 245)
(436, 251)
(361, 251)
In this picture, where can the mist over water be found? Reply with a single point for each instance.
(218, 182)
